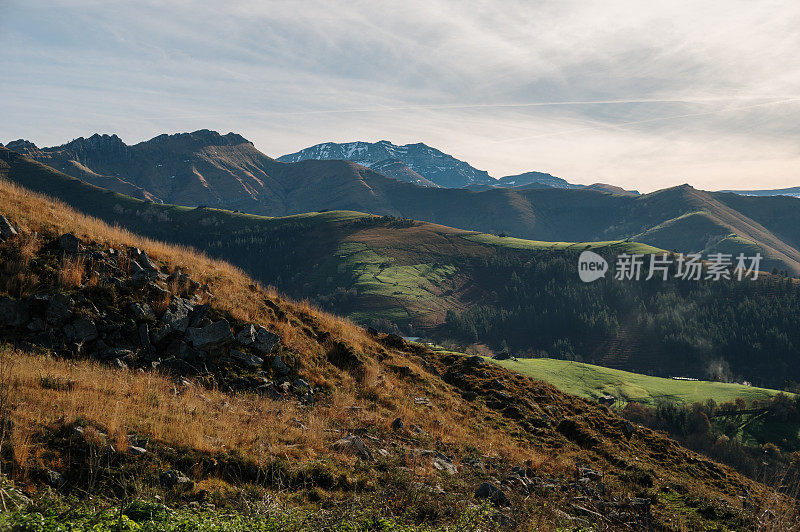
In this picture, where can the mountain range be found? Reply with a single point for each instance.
(227, 171)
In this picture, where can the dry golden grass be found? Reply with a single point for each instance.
(71, 272)
(147, 404)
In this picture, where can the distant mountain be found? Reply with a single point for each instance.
(425, 166)
(538, 178)
(792, 191)
(440, 168)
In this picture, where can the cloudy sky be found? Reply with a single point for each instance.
(699, 92)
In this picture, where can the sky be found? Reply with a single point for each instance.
(631, 93)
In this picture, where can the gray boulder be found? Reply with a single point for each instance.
(6, 229)
(352, 444)
(69, 243)
(172, 479)
(142, 312)
(209, 336)
(492, 493)
(177, 315)
(247, 335)
(246, 359)
(120, 353)
(265, 340)
(280, 367)
(13, 313)
(140, 256)
(60, 309)
(81, 330)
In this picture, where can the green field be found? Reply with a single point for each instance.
(521, 243)
(586, 380)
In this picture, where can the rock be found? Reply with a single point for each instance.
(178, 366)
(246, 359)
(279, 367)
(589, 474)
(398, 424)
(247, 335)
(157, 335)
(69, 243)
(265, 340)
(6, 229)
(142, 312)
(372, 331)
(59, 310)
(217, 333)
(352, 444)
(141, 258)
(197, 315)
(177, 314)
(13, 313)
(494, 494)
(444, 465)
(81, 330)
(301, 386)
(629, 428)
(137, 451)
(120, 353)
(54, 479)
(172, 479)
(143, 333)
(119, 363)
(36, 325)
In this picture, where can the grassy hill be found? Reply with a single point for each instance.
(591, 382)
(86, 436)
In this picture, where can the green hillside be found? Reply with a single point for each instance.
(590, 381)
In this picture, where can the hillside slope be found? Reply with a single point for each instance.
(323, 433)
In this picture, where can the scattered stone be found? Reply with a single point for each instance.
(398, 424)
(54, 479)
(6, 229)
(265, 340)
(60, 309)
(172, 479)
(422, 401)
(246, 359)
(81, 330)
(117, 353)
(247, 335)
(142, 312)
(445, 466)
(69, 243)
(492, 493)
(301, 386)
(176, 317)
(137, 451)
(119, 363)
(352, 444)
(279, 367)
(215, 334)
(13, 313)
(141, 258)
(143, 332)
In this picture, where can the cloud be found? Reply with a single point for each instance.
(635, 94)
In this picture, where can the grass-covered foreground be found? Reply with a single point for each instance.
(589, 381)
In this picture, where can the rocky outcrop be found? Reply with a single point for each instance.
(121, 319)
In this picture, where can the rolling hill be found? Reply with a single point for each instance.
(468, 287)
